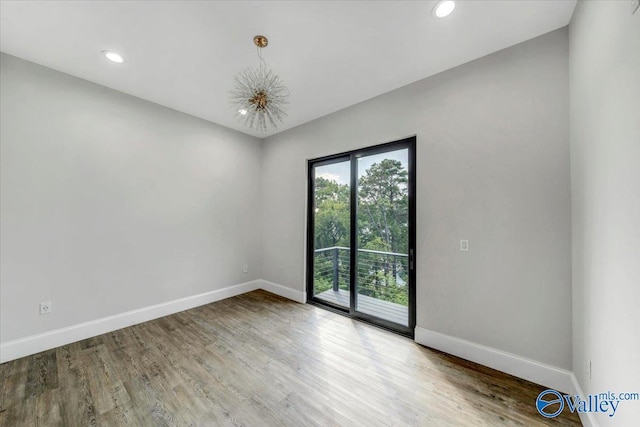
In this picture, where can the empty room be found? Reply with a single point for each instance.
(320, 213)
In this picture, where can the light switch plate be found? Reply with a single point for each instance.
(464, 245)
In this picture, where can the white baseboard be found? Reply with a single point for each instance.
(283, 291)
(36, 343)
(521, 367)
(587, 418)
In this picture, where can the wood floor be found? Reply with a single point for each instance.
(259, 360)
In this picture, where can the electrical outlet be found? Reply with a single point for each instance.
(45, 307)
(245, 268)
(464, 245)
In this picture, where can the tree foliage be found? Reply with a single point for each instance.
(383, 207)
(332, 213)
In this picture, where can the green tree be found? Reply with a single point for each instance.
(383, 207)
(331, 214)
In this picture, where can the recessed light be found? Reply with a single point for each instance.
(112, 56)
(444, 8)
(242, 111)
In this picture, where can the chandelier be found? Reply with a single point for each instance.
(259, 96)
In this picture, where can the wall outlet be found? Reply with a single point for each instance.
(464, 245)
(45, 307)
(245, 268)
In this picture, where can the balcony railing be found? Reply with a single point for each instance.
(382, 275)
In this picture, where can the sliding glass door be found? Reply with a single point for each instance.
(361, 234)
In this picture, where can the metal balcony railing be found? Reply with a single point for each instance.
(383, 275)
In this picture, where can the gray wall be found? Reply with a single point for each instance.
(110, 203)
(605, 185)
(492, 167)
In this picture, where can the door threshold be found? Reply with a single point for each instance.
(329, 307)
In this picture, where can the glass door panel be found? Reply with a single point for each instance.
(382, 259)
(331, 232)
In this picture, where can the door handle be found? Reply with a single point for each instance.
(411, 259)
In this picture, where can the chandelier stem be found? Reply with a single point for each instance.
(263, 63)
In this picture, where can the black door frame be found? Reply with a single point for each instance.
(352, 156)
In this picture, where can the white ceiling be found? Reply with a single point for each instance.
(330, 54)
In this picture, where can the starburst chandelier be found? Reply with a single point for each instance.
(259, 96)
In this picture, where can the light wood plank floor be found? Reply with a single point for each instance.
(259, 360)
